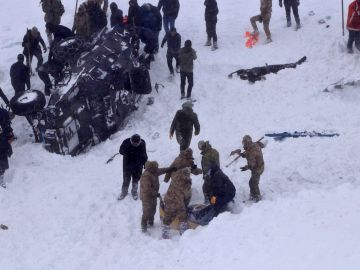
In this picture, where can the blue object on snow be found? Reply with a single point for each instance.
(283, 135)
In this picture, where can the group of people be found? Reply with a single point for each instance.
(217, 188)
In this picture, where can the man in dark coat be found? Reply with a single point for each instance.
(134, 158)
(211, 11)
(31, 43)
(291, 4)
(222, 189)
(20, 75)
(96, 16)
(173, 40)
(184, 122)
(133, 13)
(58, 32)
(151, 18)
(116, 18)
(170, 10)
(187, 56)
(6, 137)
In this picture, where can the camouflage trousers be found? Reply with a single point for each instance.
(149, 210)
(254, 185)
(172, 211)
(266, 21)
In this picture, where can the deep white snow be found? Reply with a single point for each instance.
(62, 212)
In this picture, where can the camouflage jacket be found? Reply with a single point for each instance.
(179, 192)
(53, 10)
(266, 7)
(254, 157)
(209, 158)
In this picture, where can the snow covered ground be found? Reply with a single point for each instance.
(62, 212)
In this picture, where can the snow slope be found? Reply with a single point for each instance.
(62, 212)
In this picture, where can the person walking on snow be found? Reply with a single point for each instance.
(6, 137)
(170, 10)
(264, 17)
(211, 12)
(291, 4)
(183, 123)
(173, 40)
(31, 43)
(187, 57)
(149, 190)
(353, 26)
(134, 158)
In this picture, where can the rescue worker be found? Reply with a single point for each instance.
(58, 32)
(211, 12)
(53, 10)
(31, 43)
(178, 195)
(81, 23)
(264, 17)
(291, 5)
(353, 25)
(170, 10)
(150, 18)
(173, 40)
(184, 122)
(6, 137)
(116, 18)
(210, 158)
(187, 56)
(20, 75)
(134, 158)
(255, 163)
(222, 189)
(133, 13)
(149, 189)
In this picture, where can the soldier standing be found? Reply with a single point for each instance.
(255, 163)
(291, 4)
(20, 75)
(210, 158)
(149, 188)
(184, 122)
(53, 10)
(6, 137)
(170, 10)
(134, 158)
(173, 40)
(187, 57)
(211, 12)
(31, 43)
(82, 24)
(264, 17)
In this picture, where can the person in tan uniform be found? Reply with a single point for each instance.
(255, 163)
(264, 17)
(103, 3)
(149, 188)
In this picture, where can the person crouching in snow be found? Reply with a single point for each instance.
(353, 25)
(149, 188)
(222, 189)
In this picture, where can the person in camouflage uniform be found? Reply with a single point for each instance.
(149, 188)
(255, 163)
(178, 195)
(103, 3)
(264, 17)
(81, 23)
(183, 123)
(210, 158)
(53, 10)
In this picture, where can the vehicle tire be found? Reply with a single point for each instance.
(29, 102)
(69, 48)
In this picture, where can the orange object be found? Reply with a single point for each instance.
(251, 39)
(213, 200)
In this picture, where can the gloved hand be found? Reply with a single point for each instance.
(213, 200)
(194, 166)
(280, 3)
(245, 168)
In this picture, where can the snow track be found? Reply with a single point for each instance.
(62, 212)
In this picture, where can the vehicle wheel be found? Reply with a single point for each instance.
(29, 102)
(69, 48)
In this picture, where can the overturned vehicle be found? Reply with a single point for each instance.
(98, 84)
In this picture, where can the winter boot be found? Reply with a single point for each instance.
(151, 223)
(268, 40)
(2, 182)
(208, 42)
(144, 228)
(124, 193)
(165, 231)
(134, 191)
(183, 226)
(288, 24)
(298, 26)
(215, 46)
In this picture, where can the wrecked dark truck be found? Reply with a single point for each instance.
(99, 86)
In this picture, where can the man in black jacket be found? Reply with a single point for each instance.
(170, 10)
(31, 43)
(222, 189)
(20, 75)
(134, 158)
(151, 18)
(291, 4)
(6, 137)
(59, 32)
(133, 13)
(211, 11)
(173, 40)
(116, 18)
